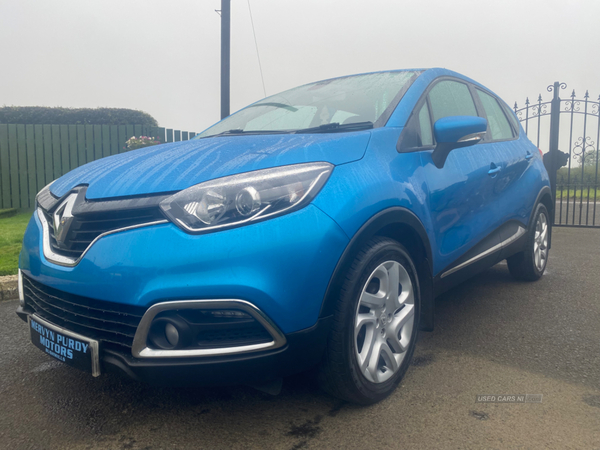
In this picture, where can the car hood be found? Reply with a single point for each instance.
(179, 165)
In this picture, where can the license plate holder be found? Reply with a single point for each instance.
(71, 348)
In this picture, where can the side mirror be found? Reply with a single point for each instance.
(456, 132)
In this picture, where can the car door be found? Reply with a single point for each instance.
(510, 188)
(460, 193)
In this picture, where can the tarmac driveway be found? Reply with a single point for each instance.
(493, 336)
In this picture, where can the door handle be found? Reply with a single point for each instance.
(494, 169)
(528, 155)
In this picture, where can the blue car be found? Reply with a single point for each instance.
(312, 229)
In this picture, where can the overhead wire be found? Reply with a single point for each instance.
(257, 52)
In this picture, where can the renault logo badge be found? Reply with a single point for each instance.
(63, 217)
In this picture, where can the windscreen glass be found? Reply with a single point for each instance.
(349, 100)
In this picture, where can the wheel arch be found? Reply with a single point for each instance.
(545, 197)
(405, 227)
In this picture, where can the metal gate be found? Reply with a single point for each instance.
(573, 126)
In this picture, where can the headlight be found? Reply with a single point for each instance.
(246, 198)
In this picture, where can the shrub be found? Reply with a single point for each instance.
(142, 141)
(589, 175)
(75, 116)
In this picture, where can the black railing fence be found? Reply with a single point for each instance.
(568, 132)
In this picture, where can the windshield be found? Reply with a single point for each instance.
(350, 102)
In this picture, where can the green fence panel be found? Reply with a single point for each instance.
(31, 166)
(73, 150)
(153, 133)
(40, 168)
(48, 157)
(122, 138)
(81, 146)
(160, 132)
(23, 179)
(4, 168)
(64, 149)
(56, 151)
(114, 139)
(31, 156)
(97, 142)
(14, 166)
(105, 141)
(89, 143)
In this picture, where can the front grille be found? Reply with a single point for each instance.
(96, 319)
(87, 227)
(228, 332)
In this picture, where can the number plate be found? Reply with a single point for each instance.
(64, 345)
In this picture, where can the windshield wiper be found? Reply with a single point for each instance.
(334, 127)
(240, 132)
(276, 105)
(337, 127)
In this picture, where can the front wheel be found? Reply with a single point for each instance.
(530, 264)
(375, 326)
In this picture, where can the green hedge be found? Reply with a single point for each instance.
(75, 116)
(589, 176)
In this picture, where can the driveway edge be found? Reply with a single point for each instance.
(9, 288)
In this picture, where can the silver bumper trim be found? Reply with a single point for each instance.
(141, 350)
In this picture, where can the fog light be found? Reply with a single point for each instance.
(172, 334)
(169, 333)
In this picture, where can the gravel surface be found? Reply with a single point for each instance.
(493, 336)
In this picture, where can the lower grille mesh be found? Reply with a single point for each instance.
(104, 321)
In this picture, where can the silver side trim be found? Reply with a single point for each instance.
(70, 262)
(520, 232)
(141, 350)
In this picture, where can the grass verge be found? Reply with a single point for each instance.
(12, 230)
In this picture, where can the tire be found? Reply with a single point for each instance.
(364, 310)
(530, 264)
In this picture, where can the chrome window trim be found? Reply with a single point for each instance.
(70, 262)
(139, 348)
(520, 232)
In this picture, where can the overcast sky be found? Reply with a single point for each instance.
(163, 57)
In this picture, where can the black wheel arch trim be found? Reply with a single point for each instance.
(388, 217)
(544, 191)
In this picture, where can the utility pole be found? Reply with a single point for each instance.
(225, 55)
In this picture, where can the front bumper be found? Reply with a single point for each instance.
(302, 350)
(281, 266)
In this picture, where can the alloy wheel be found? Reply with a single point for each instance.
(384, 321)
(540, 243)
